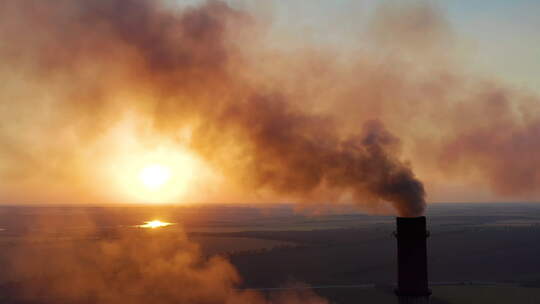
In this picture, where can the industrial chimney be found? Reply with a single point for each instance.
(411, 237)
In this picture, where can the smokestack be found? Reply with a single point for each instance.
(412, 260)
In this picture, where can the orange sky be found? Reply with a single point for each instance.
(238, 108)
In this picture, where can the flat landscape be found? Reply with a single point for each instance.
(490, 252)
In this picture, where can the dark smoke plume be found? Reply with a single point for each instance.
(281, 124)
(293, 153)
(190, 65)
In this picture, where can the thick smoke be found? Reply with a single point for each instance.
(502, 149)
(130, 266)
(303, 124)
(292, 153)
(189, 65)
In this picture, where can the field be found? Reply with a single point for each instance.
(487, 294)
(481, 253)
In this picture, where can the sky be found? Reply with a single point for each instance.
(500, 36)
(383, 104)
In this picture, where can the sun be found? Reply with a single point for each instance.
(154, 224)
(166, 174)
(154, 176)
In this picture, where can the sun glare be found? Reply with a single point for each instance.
(154, 176)
(151, 170)
(154, 224)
